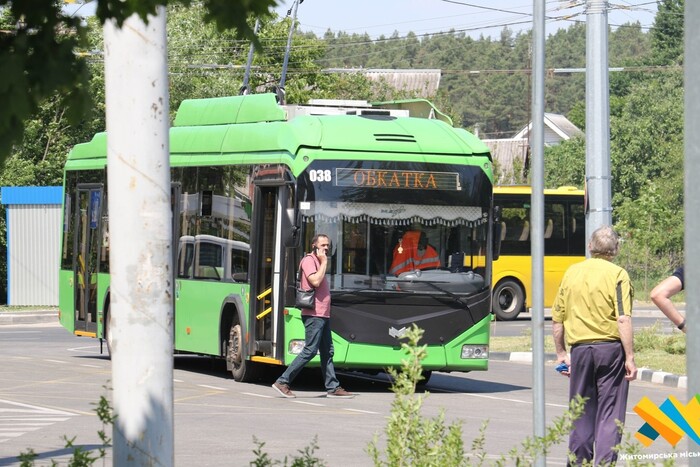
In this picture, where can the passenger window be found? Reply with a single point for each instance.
(209, 262)
(184, 261)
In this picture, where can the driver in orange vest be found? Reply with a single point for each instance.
(426, 256)
(413, 252)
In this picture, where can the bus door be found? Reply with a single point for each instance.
(175, 206)
(267, 266)
(88, 216)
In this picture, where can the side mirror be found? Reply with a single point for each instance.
(291, 228)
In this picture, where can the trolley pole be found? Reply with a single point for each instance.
(598, 186)
(537, 222)
(140, 240)
(281, 93)
(692, 202)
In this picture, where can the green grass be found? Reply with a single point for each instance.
(653, 350)
(519, 344)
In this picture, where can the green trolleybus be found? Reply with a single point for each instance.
(253, 181)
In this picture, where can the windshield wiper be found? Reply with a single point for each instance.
(434, 285)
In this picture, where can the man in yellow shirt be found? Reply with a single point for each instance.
(592, 314)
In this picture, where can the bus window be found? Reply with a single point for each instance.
(209, 261)
(516, 217)
(556, 242)
(185, 258)
(239, 261)
(577, 239)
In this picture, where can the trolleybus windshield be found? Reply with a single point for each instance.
(405, 227)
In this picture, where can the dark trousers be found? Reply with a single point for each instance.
(598, 373)
(318, 340)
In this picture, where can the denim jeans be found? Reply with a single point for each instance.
(317, 337)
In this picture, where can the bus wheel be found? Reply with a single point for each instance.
(241, 369)
(508, 300)
(426, 374)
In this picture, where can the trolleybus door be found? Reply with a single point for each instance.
(88, 216)
(267, 259)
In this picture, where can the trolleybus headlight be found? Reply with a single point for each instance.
(296, 346)
(475, 351)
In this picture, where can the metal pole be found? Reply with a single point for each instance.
(598, 186)
(692, 202)
(537, 222)
(140, 240)
(249, 64)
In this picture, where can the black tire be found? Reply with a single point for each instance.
(508, 300)
(242, 370)
(426, 374)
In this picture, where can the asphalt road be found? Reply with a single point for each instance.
(50, 382)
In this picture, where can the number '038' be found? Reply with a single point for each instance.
(320, 175)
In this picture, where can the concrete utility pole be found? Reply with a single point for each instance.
(537, 222)
(692, 203)
(140, 240)
(598, 186)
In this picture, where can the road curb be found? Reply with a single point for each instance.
(28, 317)
(643, 374)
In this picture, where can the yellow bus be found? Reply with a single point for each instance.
(564, 245)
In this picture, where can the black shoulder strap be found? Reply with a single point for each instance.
(299, 270)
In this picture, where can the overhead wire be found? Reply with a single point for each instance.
(213, 48)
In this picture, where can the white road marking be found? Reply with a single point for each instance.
(309, 403)
(362, 411)
(32, 409)
(17, 418)
(257, 395)
(211, 387)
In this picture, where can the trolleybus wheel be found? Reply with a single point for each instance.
(508, 300)
(242, 370)
(426, 374)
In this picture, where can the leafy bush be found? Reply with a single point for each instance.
(413, 440)
(651, 338)
(306, 459)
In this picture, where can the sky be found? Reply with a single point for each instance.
(474, 17)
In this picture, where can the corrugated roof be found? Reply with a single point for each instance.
(423, 83)
(505, 153)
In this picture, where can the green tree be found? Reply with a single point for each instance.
(565, 163)
(667, 33)
(647, 170)
(37, 53)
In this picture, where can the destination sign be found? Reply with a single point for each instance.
(398, 179)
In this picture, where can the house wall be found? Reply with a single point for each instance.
(33, 216)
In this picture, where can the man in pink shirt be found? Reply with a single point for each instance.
(316, 323)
